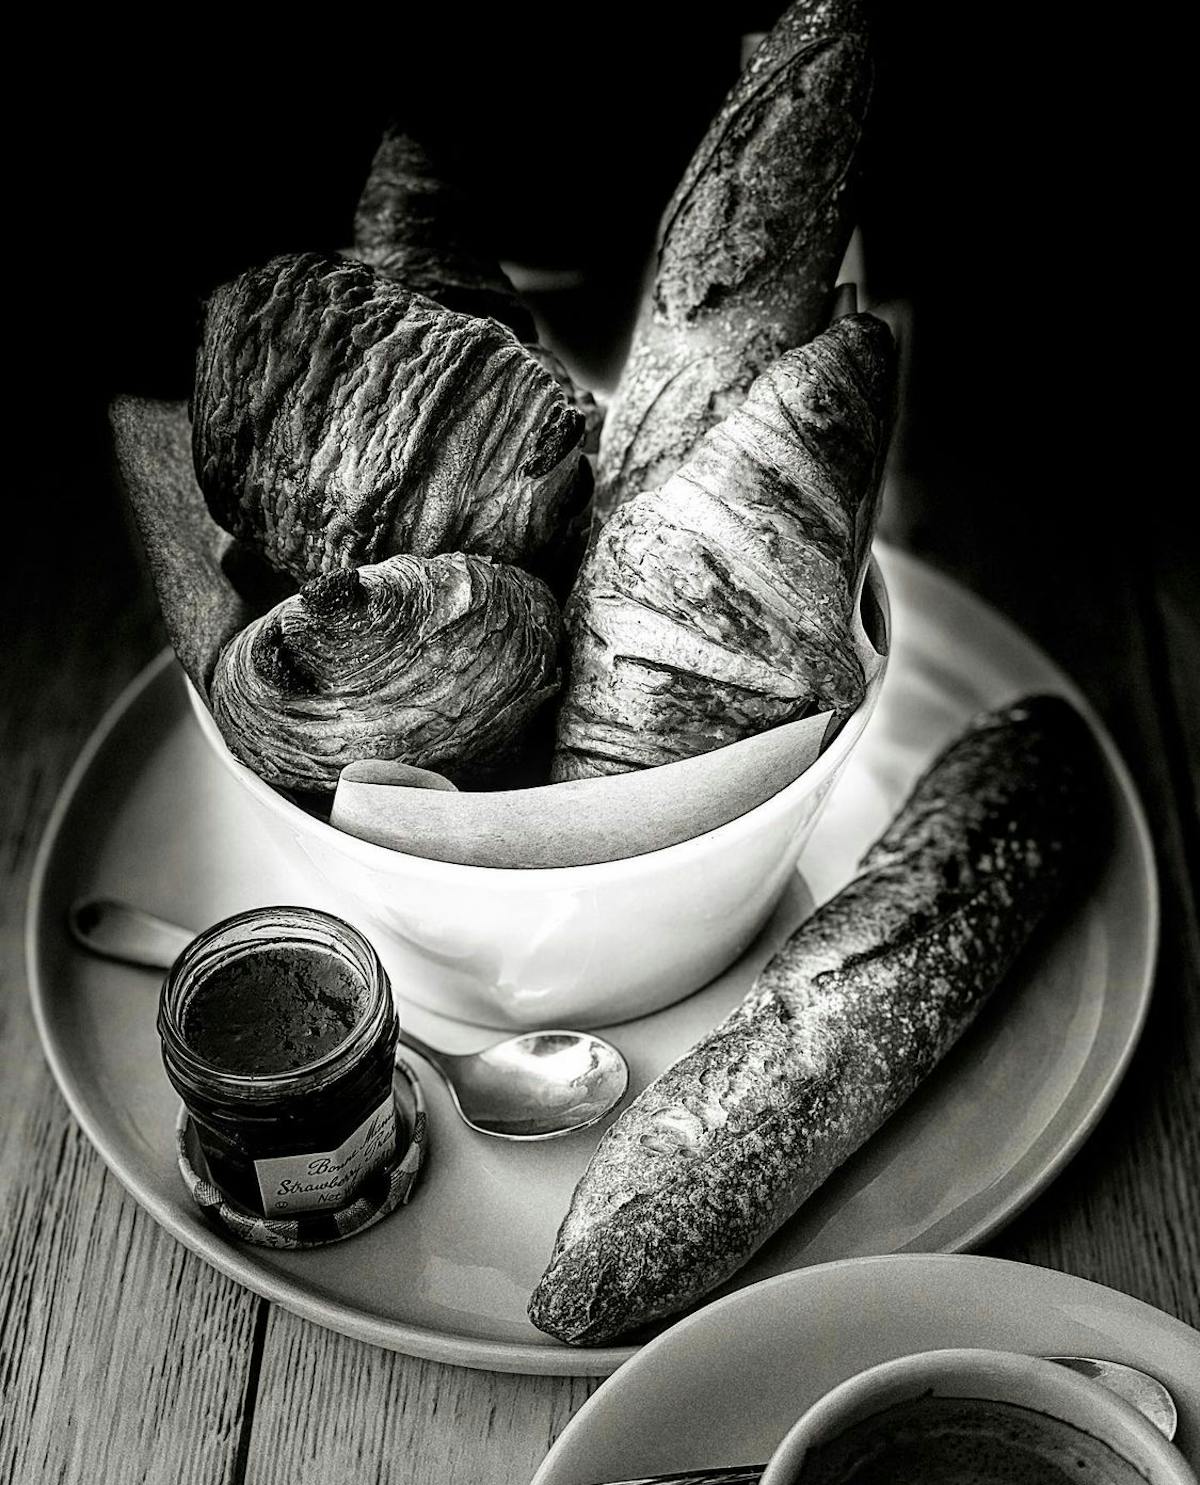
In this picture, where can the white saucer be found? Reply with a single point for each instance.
(724, 1386)
(149, 814)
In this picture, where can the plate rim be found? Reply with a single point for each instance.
(522, 1357)
(816, 1273)
(413, 1340)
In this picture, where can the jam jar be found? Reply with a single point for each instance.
(279, 1033)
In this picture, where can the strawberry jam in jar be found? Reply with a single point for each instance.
(279, 1033)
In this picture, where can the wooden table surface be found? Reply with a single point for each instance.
(123, 1357)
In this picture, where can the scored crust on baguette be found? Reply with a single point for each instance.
(749, 245)
(841, 1026)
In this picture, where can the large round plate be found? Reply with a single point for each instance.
(723, 1386)
(148, 814)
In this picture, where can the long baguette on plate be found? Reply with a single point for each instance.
(841, 1026)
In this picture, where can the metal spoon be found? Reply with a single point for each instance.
(1147, 1394)
(535, 1086)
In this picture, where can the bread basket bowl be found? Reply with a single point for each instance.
(573, 946)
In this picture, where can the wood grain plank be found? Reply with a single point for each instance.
(1176, 617)
(330, 1409)
(122, 1357)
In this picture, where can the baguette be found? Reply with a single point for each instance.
(841, 1026)
(748, 247)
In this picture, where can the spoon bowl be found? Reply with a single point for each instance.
(536, 1086)
(532, 1087)
(1147, 1394)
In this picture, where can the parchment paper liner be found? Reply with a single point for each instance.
(315, 1229)
(554, 825)
(611, 818)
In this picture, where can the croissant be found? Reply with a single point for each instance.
(722, 604)
(339, 419)
(415, 225)
(443, 662)
(749, 245)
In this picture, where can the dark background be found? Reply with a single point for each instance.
(1006, 197)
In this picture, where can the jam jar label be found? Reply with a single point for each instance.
(328, 1179)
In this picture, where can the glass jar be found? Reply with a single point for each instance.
(279, 1033)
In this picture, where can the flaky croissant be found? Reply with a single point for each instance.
(443, 662)
(416, 225)
(722, 604)
(339, 419)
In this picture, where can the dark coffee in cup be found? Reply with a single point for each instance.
(964, 1441)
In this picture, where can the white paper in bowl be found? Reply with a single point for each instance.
(615, 816)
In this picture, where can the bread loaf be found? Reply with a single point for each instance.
(749, 246)
(841, 1026)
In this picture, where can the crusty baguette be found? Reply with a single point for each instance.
(841, 1026)
(749, 245)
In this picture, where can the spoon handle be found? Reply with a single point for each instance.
(117, 930)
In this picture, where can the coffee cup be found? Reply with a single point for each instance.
(972, 1417)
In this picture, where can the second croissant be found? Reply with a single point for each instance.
(722, 604)
(442, 662)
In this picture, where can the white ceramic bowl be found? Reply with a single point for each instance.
(998, 1376)
(562, 946)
